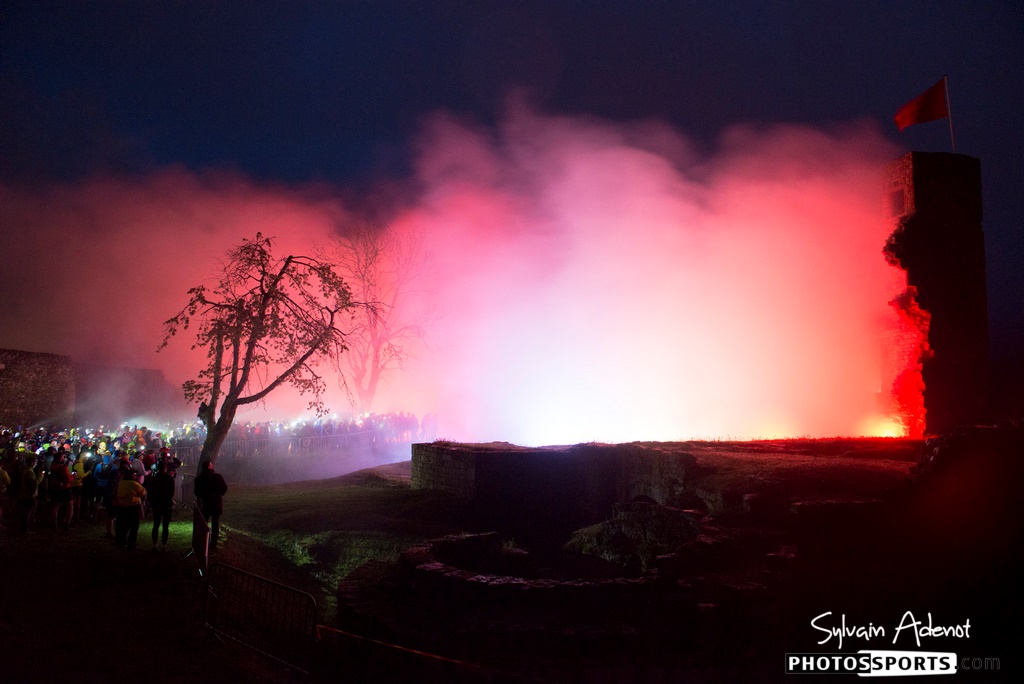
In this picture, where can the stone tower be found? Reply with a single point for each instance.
(934, 200)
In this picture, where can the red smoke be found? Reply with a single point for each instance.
(910, 348)
(601, 289)
(95, 268)
(596, 281)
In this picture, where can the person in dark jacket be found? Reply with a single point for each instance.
(160, 495)
(210, 489)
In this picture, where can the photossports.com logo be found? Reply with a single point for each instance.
(872, 663)
(876, 662)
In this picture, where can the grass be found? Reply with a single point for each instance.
(804, 467)
(328, 528)
(319, 531)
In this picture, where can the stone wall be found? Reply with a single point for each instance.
(661, 476)
(444, 467)
(542, 495)
(451, 583)
(35, 388)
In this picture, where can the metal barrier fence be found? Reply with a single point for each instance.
(189, 456)
(200, 539)
(187, 493)
(281, 622)
(266, 616)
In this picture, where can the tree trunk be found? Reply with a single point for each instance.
(216, 433)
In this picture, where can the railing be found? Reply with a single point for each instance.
(200, 540)
(188, 455)
(187, 493)
(281, 622)
(266, 616)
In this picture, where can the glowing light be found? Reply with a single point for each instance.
(910, 344)
(882, 426)
(612, 294)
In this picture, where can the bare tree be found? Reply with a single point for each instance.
(385, 269)
(267, 322)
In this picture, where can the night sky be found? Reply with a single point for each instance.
(331, 96)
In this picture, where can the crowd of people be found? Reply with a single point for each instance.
(388, 427)
(62, 479)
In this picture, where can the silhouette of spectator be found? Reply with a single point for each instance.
(160, 494)
(210, 489)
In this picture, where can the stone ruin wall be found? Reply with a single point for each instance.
(49, 389)
(35, 388)
(655, 474)
(542, 495)
(439, 466)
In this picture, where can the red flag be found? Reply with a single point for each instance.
(928, 106)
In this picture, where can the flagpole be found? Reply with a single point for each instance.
(949, 112)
